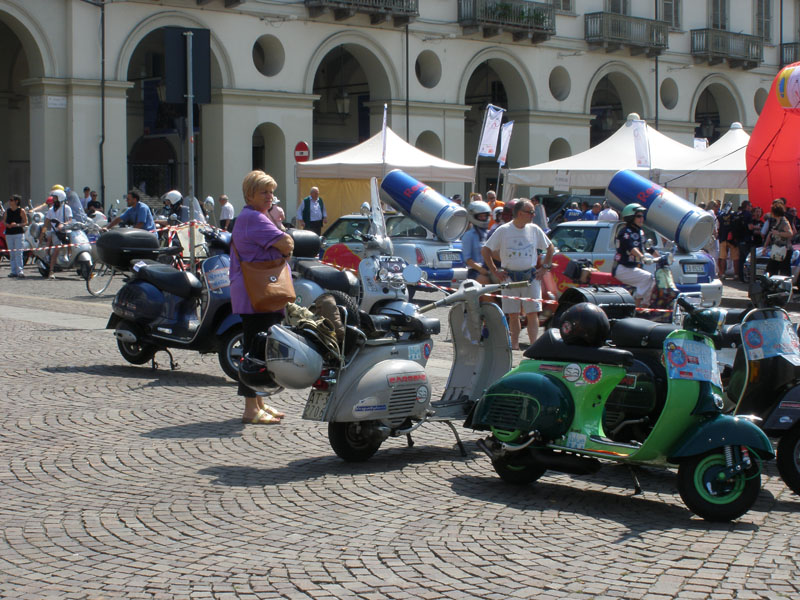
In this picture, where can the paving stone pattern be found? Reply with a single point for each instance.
(119, 482)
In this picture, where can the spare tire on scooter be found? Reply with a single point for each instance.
(616, 302)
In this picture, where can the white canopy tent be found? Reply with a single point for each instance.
(722, 165)
(595, 167)
(343, 178)
(366, 160)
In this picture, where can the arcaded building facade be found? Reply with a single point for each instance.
(83, 102)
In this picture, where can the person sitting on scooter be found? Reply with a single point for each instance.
(631, 254)
(53, 232)
(473, 240)
(137, 215)
(255, 238)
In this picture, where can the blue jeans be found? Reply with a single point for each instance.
(15, 246)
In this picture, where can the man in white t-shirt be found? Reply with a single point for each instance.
(608, 213)
(517, 245)
(225, 213)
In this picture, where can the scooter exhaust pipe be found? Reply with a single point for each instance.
(563, 462)
(126, 336)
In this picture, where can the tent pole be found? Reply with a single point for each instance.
(478, 151)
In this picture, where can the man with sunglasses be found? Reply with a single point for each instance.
(631, 255)
(517, 245)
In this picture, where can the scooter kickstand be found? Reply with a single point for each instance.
(458, 439)
(409, 440)
(174, 366)
(637, 488)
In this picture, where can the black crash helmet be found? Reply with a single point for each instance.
(585, 324)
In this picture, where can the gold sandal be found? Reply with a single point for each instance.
(263, 418)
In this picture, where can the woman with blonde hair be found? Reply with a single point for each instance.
(255, 238)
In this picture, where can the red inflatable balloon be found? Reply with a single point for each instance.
(773, 153)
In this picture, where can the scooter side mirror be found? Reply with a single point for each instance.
(413, 274)
(365, 209)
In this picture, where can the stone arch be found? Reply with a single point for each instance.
(519, 88)
(632, 91)
(219, 56)
(34, 39)
(428, 141)
(559, 148)
(376, 63)
(729, 101)
(273, 162)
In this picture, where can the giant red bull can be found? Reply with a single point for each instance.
(425, 205)
(670, 215)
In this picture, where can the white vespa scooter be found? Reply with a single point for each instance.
(374, 385)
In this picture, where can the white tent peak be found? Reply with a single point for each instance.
(366, 160)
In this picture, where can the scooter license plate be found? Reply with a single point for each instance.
(315, 406)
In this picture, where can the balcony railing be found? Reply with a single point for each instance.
(535, 21)
(613, 31)
(401, 11)
(716, 45)
(790, 53)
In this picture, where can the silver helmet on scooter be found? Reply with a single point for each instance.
(291, 359)
(479, 214)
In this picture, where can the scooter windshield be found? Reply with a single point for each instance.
(775, 336)
(692, 360)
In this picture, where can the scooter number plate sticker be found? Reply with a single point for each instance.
(572, 372)
(415, 353)
(691, 360)
(576, 440)
(218, 279)
(592, 373)
(366, 407)
(315, 407)
(771, 337)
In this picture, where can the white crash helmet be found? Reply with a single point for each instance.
(476, 208)
(291, 359)
(59, 195)
(173, 197)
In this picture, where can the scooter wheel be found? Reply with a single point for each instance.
(354, 442)
(44, 270)
(789, 458)
(230, 351)
(516, 473)
(136, 353)
(711, 498)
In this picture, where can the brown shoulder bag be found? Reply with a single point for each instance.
(268, 283)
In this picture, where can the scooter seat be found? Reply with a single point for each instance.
(640, 333)
(169, 279)
(550, 346)
(329, 278)
(376, 325)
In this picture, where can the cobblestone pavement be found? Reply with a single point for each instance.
(119, 481)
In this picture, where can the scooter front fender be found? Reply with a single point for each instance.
(84, 256)
(230, 321)
(722, 430)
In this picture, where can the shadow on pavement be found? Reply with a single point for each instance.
(385, 461)
(639, 514)
(157, 377)
(189, 431)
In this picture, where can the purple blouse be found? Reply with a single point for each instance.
(253, 235)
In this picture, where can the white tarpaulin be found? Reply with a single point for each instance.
(364, 161)
(595, 167)
(722, 165)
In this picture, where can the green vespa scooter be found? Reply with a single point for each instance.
(548, 414)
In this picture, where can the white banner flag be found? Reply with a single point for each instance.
(640, 145)
(491, 129)
(505, 138)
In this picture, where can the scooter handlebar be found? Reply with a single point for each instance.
(481, 290)
(686, 305)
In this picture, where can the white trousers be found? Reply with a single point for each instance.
(642, 280)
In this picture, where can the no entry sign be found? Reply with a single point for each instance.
(301, 152)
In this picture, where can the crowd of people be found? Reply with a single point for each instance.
(738, 231)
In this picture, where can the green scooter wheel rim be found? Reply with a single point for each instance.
(706, 472)
(506, 435)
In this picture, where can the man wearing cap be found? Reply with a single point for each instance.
(54, 231)
(493, 202)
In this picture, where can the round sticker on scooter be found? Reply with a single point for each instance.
(753, 338)
(592, 373)
(426, 351)
(676, 356)
(422, 393)
(572, 372)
